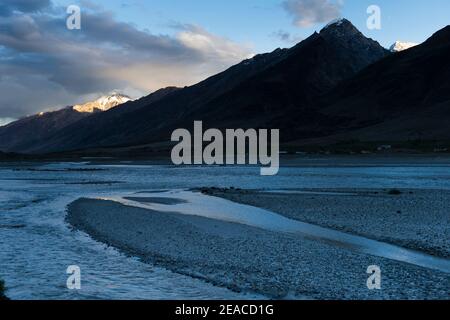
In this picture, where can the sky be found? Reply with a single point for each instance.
(139, 46)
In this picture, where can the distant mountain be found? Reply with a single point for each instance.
(269, 90)
(401, 46)
(26, 132)
(103, 103)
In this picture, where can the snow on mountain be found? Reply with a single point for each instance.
(335, 22)
(341, 29)
(103, 103)
(401, 46)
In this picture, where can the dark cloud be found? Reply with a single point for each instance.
(309, 12)
(43, 64)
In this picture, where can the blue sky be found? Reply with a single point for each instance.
(139, 46)
(256, 21)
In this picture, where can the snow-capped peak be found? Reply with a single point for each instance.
(341, 28)
(335, 22)
(400, 46)
(103, 103)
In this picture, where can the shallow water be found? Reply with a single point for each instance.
(197, 204)
(36, 245)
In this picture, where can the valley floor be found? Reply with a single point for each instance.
(246, 258)
(411, 218)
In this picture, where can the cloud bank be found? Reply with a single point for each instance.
(44, 65)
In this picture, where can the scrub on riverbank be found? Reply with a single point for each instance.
(249, 259)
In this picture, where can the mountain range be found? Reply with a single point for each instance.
(335, 87)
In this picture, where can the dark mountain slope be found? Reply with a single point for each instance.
(18, 135)
(268, 90)
(32, 132)
(405, 96)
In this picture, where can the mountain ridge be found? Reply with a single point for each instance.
(405, 96)
(261, 90)
(336, 85)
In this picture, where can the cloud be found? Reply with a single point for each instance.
(306, 13)
(7, 7)
(211, 46)
(5, 121)
(201, 54)
(286, 37)
(43, 64)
